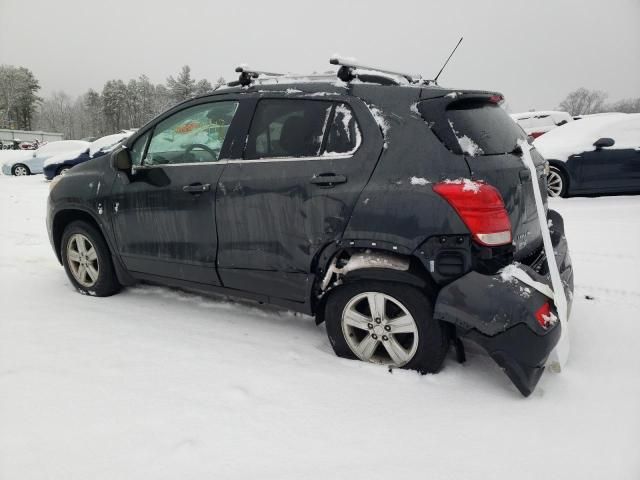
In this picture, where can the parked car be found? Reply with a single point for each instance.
(597, 154)
(30, 162)
(60, 164)
(538, 123)
(387, 212)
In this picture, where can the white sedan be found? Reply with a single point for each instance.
(28, 162)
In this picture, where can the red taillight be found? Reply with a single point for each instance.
(481, 208)
(544, 315)
(536, 134)
(496, 99)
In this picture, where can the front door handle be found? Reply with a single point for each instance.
(328, 179)
(525, 175)
(196, 188)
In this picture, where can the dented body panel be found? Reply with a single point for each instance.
(269, 229)
(499, 313)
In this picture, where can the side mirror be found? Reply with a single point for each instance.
(604, 142)
(122, 161)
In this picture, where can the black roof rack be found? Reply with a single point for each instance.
(248, 75)
(348, 71)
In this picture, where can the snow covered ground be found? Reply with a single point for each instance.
(159, 384)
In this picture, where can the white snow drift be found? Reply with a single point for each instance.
(155, 383)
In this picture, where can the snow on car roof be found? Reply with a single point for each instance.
(555, 114)
(63, 146)
(579, 136)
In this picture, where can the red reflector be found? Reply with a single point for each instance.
(481, 208)
(544, 315)
(536, 134)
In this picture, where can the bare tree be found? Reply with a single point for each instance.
(583, 102)
(627, 105)
(56, 114)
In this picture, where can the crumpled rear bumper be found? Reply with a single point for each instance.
(498, 313)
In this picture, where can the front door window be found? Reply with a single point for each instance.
(193, 135)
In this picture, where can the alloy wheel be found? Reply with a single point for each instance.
(380, 329)
(20, 171)
(83, 260)
(555, 182)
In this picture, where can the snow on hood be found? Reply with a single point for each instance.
(63, 157)
(107, 143)
(579, 136)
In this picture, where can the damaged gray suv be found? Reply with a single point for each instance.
(385, 206)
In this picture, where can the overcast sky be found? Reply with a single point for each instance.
(535, 52)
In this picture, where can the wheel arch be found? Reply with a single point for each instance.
(564, 170)
(20, 164)
(385, 267)
(64, 217)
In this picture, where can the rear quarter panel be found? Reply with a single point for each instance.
(398, 205)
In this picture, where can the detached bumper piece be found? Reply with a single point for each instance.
(502, 314)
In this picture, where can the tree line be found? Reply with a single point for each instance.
(120, 105)
(585, 102)
(123, 105)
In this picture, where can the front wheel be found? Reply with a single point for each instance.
(20, 170)
(556, 182)
(386, 323)
(87, 260)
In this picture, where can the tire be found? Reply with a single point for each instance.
(425, 355)
(63, 171)
(556, 182)
(91, 274)
(20, 170)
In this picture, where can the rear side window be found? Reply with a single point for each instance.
(474, 127)
(344, 134)
(301, 128)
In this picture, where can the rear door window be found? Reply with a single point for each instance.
(293, 128)
(288, 128)
(474, 127)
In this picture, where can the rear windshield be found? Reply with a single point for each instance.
(478, 128)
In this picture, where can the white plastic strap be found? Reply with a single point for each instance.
(527, 280)
(560, 353)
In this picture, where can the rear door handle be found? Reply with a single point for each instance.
(196, 188)
(328, 179)
(525, 175)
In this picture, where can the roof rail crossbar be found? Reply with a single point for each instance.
(345, 73)
(247, 75)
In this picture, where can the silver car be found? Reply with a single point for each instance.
(26, 162)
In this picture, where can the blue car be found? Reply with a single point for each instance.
(60, 164)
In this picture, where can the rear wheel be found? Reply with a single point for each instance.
(556, 182)
(87, 260)
(20, 170)
(387, 323)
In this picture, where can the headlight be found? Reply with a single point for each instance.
(546, 168)
(54, 182)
